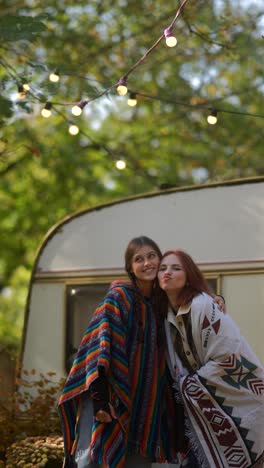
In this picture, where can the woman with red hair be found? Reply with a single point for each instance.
(216, 375)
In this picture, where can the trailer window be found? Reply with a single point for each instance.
(81, 301)
(213, 284)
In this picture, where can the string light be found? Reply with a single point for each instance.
(54, 77)
(46, 111)
(120, 164)
(122, 87)
(122, 90)
(171, 40)
(25, 87)
(21, 94)
(132, 100)
(73, 130)
(76, 110)
(212, 117)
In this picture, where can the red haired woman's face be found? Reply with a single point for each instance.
(171, 275)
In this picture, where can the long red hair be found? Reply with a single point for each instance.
(195, 281)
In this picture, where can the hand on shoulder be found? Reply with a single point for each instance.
(220, 301)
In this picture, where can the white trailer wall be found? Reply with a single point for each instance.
(220, 225)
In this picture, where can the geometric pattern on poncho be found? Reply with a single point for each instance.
(220, 425)
(233, 454)
(210, 324)
(240, 373)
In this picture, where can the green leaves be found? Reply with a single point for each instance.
(6, 107)
(17, 28)
(45, 173)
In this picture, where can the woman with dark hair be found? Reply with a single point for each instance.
(113, 407)
(216, 375)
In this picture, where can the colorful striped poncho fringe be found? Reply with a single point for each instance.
(136, 375)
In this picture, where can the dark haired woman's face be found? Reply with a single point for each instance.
(144, 265)
(171, 275)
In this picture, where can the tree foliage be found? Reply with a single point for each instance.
(165, 140)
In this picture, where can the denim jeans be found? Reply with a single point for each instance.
(82, 451)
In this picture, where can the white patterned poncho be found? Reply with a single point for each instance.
(223, 388)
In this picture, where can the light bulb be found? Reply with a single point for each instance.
(212, 117)
(122, 90)
(21, 94)
(25, 86)
(171, 40)
(132, 100)
(46, 111)
(73, 129)
(122, 87)
(54, 77)
(120, 164)
(76, 110)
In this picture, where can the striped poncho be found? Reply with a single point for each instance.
(122, 338)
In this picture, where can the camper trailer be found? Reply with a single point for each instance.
(221, 225)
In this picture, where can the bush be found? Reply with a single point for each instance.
(36, 451)
(30, 420)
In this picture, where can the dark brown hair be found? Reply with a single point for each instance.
(131, 249)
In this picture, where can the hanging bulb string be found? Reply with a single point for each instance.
(178, 12)
(146, 54)
(169, 100)
(82, 103)
(138, 63)
(227, 111)
(95, 144)
(207, 106)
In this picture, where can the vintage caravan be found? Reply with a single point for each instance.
(221, 225)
